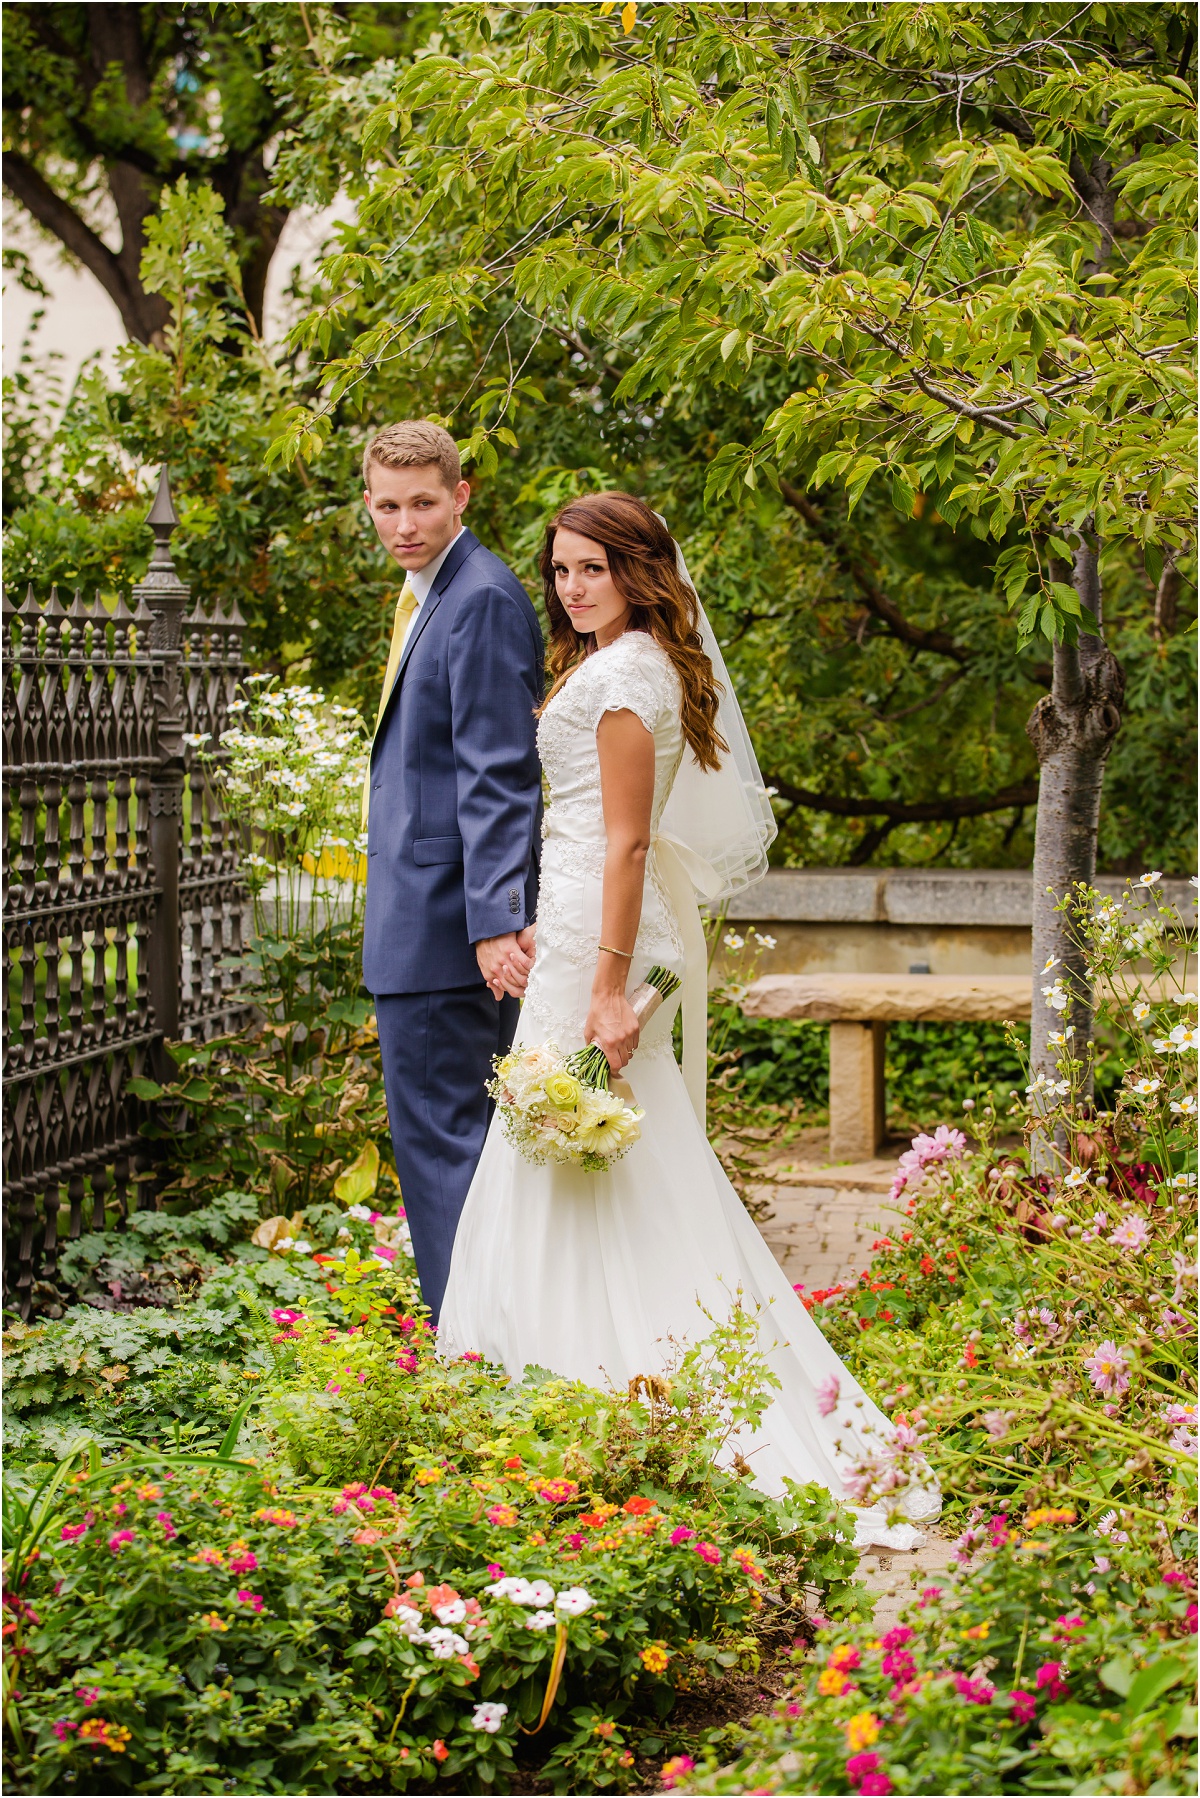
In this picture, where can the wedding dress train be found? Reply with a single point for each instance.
(599, 1277)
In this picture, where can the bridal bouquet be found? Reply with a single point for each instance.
(556, 1107)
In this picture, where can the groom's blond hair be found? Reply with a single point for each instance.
(413, 444)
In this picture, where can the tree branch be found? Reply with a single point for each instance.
(876, 601)
(928, 811)
(28, 186)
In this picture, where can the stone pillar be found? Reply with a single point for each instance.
(160, 600)
(856, 1096)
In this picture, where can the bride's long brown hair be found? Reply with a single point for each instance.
(641, 559)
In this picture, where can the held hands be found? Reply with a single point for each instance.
(613, 1025)
(505, 961)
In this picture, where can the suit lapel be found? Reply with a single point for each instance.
(460, 549)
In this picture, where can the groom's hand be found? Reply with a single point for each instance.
(505, 962)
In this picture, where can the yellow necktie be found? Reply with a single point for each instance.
(406, 605)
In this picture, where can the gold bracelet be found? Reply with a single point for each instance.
(625, 954)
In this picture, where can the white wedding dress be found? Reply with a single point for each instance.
(598, 1277)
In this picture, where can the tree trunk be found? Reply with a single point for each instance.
(1071, 730)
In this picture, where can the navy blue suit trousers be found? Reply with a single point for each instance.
(437, 1053)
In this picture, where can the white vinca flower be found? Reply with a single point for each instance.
(540, 1620)
(489, 1717)
(574, 1601)
(444, 1644)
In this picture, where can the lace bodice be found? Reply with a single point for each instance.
(633, 674)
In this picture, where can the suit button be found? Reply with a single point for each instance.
(379, 786)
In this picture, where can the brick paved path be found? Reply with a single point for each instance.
(824, 1217)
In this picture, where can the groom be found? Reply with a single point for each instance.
(454, 798)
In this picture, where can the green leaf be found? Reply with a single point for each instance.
(144, 1089)
(1153, 1681)
(357, 1184)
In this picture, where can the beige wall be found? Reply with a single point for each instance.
(881, 949)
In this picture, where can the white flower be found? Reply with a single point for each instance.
(302, 1247)
(361, 1212)
(1061, 1087)
(733, 941)
(537, 1592)
(1186, 999)
(489, 1717)
(1076, 1177)
(1184, 1441)
(1185, 1107)
(407, 1619)
(1052, 961)
(1107, 1526)
(285, 1242)
(194, 738)
(445, 1644)
(1149, 880)
(454, 1612)
(1056, 996)
(1141, 1010)
(768, 942)
(574, 1601)
(1184, 1039)
(540, 1620)
(1184, 1180)
(1144, 1088)
(507, 1588)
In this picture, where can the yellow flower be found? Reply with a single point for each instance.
(426, 1476)
(562, 1091)
(861, 1731)
(655, 1659)
(214, 1620)
(831, 1682)
(1048, 1514)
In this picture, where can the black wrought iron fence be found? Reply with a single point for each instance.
(124, 910)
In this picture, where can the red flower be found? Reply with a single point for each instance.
(637, 1507)
(440, 1751)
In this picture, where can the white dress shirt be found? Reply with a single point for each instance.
(421, 579)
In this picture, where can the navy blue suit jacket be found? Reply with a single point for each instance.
(456, 792)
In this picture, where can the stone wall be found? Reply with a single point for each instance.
(893, 920)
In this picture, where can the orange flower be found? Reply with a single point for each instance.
(440, 1751)
(861, 1731)
(831, 1682)
(637, 1507)
(440, 1595)
(655, 1659)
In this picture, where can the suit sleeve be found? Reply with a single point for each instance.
(494, 668)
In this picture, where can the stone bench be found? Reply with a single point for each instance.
(858, 1009)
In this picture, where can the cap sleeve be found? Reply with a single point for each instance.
(631, 679)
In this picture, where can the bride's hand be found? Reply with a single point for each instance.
(613, 1025)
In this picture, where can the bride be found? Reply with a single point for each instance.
(654, 796)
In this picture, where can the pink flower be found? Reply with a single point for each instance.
(997, 1424)
(828, 1393)
(1065, 1629)
(975, 1691)
(1108, 1369)
(677, 1768)
(87, 1695)
(898, 1637)
(384, 1252)
(575, 1542)
(1049, 1678)
(407, 1362)
(708, 1552)
(1133, 1232)
(930, 1595)
(63, 1727)
(253, 1599)
(332, 1387)
(859, 1765)
(1024, 1706)
(286, 1317)
(246, 1562)
(681, 1535)
(495, 1570)
(71, 1532)
(876, 1785)
(118, 1540)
